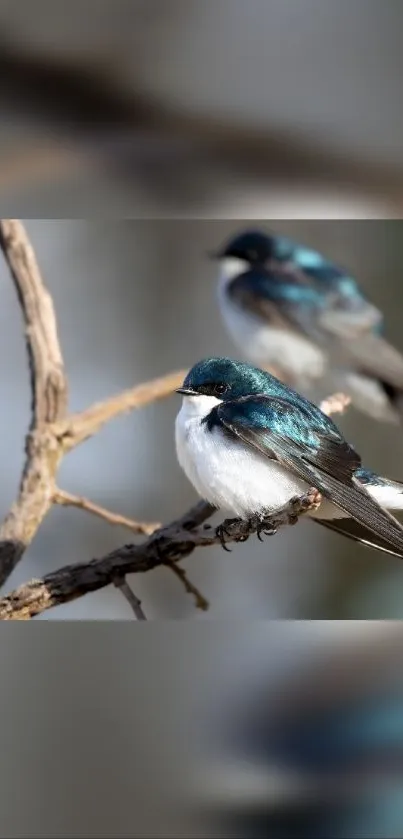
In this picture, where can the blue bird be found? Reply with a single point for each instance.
(249, 444)
(291, 310)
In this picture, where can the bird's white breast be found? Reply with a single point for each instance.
(224, 471)
(266, 344)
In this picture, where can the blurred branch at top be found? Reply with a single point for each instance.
(92, 107)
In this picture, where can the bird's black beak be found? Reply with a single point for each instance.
(186, 391)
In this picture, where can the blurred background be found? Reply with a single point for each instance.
(136, 299)
(284, 108)
(271, 730)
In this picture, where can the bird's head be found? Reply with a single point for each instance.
(250, 248)
(224, 378)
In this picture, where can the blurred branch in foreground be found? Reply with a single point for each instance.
(101, 122)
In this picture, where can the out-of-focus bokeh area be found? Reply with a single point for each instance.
(271, 730)
(304, 735)
(221, 108)
(137, 299)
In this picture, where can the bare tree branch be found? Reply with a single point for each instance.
(49, 397)
(78, 427)
(133, 601)
(335, 404)
(190, 588)
(168, 545)
(51, 434)
(48, 381)
(66, 499)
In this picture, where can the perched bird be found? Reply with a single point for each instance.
(292, 311)
(249, 444)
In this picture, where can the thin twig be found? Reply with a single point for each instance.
(66, 499)
(78, 427)
(190, 588)
(49, 397)
(170, 544)
(335, 404)
(133, 601)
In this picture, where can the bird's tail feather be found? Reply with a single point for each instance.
(352, 529)
(378, 523)
(389, 495)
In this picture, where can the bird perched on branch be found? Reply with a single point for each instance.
(249, 444)
(291, 310)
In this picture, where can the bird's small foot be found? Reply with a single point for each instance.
(258, 523)
(236, 529)
(266, 523)
(223, 530)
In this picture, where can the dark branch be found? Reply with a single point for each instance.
(168, 545)
(133, 601)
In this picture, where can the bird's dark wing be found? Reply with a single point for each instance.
(346, 312)
(277, 297)
(308, 443)
(332, 313)
(352, 529)
(347, 323)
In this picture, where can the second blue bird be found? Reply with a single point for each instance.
(292, 311)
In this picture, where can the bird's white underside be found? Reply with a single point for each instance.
(234, 478)
(304, 364)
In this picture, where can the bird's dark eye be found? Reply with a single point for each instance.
(213, 388)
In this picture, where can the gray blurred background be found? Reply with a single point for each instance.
(136, 299)
(279, 108)
(144, 730)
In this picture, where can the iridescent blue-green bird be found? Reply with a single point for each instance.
(291, 310)
(249, 444)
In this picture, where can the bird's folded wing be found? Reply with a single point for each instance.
(310, 446)
(347, 327)
(277, 298)
(352, 529)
